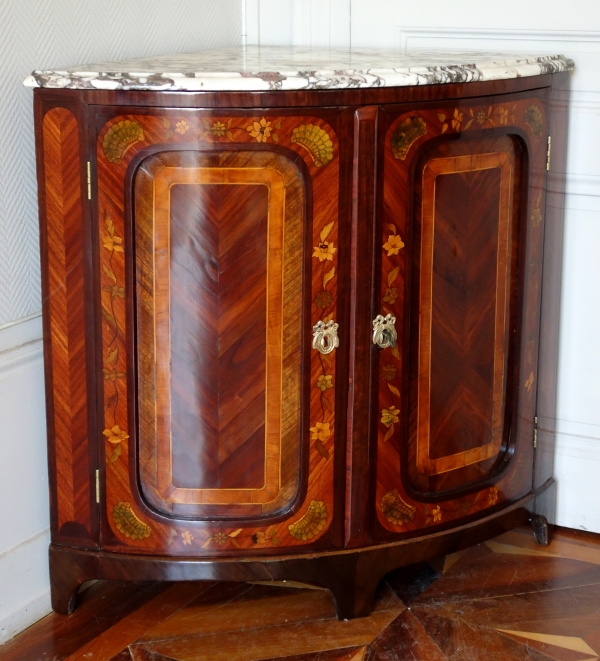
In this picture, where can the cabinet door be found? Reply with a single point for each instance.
(458, 248)
(219, 253)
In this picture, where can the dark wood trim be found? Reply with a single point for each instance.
(299, 98)
(352, 576)
(359, 500)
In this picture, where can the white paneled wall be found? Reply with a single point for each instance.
(37, 34)
(531, 26)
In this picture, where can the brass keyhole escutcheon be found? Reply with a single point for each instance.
(325, 337)
(384, 331)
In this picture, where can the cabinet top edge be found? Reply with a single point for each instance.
(284, 68)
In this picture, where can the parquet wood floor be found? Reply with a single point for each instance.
(505, 600)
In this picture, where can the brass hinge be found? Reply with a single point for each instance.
(89, 180)
(535, 431)
(97, 485)
(548, 152)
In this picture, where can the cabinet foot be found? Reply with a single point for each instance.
(66, 577)
(354, 597)
(540, 529)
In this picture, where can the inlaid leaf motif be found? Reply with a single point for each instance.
(393, 390)
(128, 523)
(112, 356)
(119, 138)
(109, 273)
(536, 213)
(321, 449)
(316, 141)
(312, 523)
(328, 276)
(395, 510)
(116, 453)
(534, 119)
(393, 274)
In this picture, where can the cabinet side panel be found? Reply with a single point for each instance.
(64, 307)
(553, 222)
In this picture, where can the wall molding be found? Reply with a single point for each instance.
(403, 34)
(21, 348)
(24, 571)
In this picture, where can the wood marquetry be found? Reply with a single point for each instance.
(223, 453)
(65, 323)
(199, 428)
(453, 270)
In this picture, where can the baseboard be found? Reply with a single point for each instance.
(24, 571)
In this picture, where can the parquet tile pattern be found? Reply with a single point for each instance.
(505, 600)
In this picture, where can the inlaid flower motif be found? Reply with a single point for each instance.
(320, 431)
(324, 251)
(323, 299)
(259, 538)
(112, 375)
(389, 416)
(391, 294)
(388, 372)
(505, 116)
(324, 382)
(260, 130)
(393, 245)
(113, 243)
(493, 496)
(436, 513)
(457, 119)
(187, 537)
(481, 117)
(115, 291)
(220, 538)
(218, 129)
(115, 435)
(182, 127)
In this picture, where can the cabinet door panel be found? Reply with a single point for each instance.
(219, 249)
(458, 260)
(465, 258)
(218, 424)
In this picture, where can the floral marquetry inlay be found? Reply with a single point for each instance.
(311, 524)
(120, 138)
(405, 135)
(128, 523)
(316, 141)
(395, 510)
(407, 140)
(311, 143)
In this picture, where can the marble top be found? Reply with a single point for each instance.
(255, 68)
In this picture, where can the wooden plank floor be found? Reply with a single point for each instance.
(505, 600)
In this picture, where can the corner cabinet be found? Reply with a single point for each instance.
(299, 335)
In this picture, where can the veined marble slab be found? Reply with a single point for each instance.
(257, 68)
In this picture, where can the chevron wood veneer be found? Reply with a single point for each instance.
(465, 290)
(65, 319)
